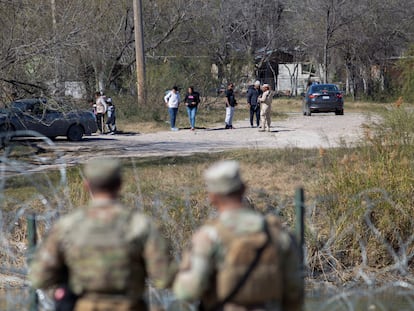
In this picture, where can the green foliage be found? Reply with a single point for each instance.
(407, 66)
(128, 111)
(163, 74)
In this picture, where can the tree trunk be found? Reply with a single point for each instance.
(325, 49)
(274, 76)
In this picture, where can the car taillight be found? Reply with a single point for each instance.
(313, 95)
(339, 95)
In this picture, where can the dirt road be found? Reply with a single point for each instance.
(319, 130)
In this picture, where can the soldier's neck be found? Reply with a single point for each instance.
(104, 196)
(229, 206)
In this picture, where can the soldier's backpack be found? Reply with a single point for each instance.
(253, 259)
(100, 253)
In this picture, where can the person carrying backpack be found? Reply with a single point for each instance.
(102, 255)
(111, 120)
(241, 260)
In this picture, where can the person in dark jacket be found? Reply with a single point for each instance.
(192, 99)
(230, 104)
(111, 121)
(253, 94)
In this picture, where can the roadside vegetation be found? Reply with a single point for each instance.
(366, 196)
(359, 198)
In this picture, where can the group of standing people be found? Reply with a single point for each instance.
(172, 99)
(104, 108)
(103, 253)
(259, 100)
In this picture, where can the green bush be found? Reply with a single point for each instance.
(407, 67)
(368, 192)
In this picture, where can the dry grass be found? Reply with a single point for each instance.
(171, 189)
(367, 197)
(141, 127)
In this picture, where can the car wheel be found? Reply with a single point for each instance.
(308, 112)
(339, 112)
(6, 133)
(75, 132)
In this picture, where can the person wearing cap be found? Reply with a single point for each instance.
(100, 256)
(241, 260)
(253, 94)
(172, 100)
(265, 101)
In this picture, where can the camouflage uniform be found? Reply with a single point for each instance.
(105, 253)
(199, 272)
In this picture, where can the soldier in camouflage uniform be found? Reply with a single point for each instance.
(104, 252)
(225, 248)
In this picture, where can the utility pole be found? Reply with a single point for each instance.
(56, 56)
(139, 51)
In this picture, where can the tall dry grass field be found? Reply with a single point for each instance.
(359, 200)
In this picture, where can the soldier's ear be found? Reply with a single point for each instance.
(212, 198)
(86, 186)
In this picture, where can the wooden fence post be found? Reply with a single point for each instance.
(300, 221)
(32, 241)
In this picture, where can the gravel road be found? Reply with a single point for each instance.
(319, 130)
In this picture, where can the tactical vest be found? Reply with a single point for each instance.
(265, 282)
(102, 258)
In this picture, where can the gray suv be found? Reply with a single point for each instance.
(36, 115)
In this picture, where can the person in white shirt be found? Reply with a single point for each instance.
(172, 100)
(100, 111)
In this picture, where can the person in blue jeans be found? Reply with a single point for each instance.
(192, 99)
(172, 100)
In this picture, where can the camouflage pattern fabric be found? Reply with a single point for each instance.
(204, 266)
(103, 249)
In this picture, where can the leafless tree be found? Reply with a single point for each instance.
(56, 40)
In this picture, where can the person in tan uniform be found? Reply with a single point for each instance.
(102, 253)
(265, 101)
(241, 260)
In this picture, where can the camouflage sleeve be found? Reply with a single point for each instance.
(197, 266)
(157, 259)
(293, 277)
(48, 267)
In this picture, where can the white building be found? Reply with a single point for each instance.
(292, 78)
